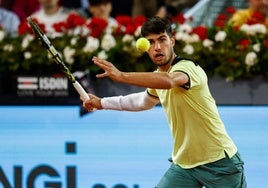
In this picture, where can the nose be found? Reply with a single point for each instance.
(157, 46)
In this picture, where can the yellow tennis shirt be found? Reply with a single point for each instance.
(197, 129)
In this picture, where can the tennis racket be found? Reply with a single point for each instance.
(50, 48)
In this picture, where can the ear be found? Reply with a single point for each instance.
(172, 39)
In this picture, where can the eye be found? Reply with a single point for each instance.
(151, 42)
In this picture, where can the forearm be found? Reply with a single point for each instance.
(156, 80)
(132, 102)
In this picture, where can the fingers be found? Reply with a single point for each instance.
(103, 64)
(101, 75)
(92, 103)
(89, 105)
(100, 62)
(109, 69)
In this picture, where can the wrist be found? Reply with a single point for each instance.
(99, 104)
(121, 77)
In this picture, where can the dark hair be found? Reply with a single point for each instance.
(98, 2)
(156, 25)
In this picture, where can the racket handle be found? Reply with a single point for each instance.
(80, 90)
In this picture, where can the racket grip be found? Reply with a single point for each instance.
(80, 90)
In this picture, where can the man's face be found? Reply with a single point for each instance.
(102, 10)
(161, 48)
(47, 4)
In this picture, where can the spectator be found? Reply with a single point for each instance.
(148, 8)
(9, 21)
(161, 8)
(101, 9)
(24, 8)
(50, 13)
(245, 15)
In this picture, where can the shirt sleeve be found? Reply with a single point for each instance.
(152, 92)
(189, 68)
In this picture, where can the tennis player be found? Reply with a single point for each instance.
(203, 152)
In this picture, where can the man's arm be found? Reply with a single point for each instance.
(155, 80)
(132, 102)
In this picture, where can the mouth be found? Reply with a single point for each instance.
(158, 57)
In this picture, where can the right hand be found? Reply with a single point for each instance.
(109, 69)
(92, 103)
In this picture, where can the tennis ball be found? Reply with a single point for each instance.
(143, 44)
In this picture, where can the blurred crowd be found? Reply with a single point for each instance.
(13, 13)
(257, 12)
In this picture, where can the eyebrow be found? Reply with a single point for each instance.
(160, 37)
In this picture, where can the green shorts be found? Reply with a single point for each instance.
(225, 173)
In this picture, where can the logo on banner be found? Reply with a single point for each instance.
(27, 83)
(55, 177)
(42, 86)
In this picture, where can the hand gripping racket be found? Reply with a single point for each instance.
(50, 48)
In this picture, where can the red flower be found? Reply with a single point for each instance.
(256, 17)
(230, 10)
(219, 23)
(201, 31)
(60, 26)
(266, 43)
(25, 28)
(123, 20)
(236, 28)
(128, 25)
(97, 26)
(130, 29)
(221, 17)
(220, 20)
(243, 44)
(75, 20)
(72, 21)
(139, 20)
(179, 18)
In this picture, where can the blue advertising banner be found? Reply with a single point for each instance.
(54, 147)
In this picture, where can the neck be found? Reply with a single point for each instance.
(168, 64)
